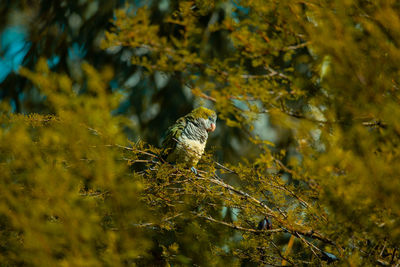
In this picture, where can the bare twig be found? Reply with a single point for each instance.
(136, 150)
(236, 227)
(224, 167)
(294, 47)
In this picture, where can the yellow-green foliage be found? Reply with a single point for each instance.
(75, 192)
(64, 185)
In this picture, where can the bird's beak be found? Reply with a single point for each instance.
(212, 128)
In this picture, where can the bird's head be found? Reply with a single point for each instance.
(205, 117)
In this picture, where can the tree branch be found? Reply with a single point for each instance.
(236, 227)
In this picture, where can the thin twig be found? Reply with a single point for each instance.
(236, 227)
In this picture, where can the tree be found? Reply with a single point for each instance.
(307, 98)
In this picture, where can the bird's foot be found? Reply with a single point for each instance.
(193, 169)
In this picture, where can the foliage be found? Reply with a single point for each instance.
(63, 187)
(321, 77)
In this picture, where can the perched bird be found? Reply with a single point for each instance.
(264, 224)
(328, 257)
(185, 141)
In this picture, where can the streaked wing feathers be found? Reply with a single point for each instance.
(172, 134)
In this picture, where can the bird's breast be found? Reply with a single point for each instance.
(188, 151)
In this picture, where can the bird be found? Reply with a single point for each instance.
(328, 257)
(186, 139)
(264, 224)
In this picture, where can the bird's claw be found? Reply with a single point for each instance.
(193, 169)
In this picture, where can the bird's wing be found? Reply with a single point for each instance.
(171, 136)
